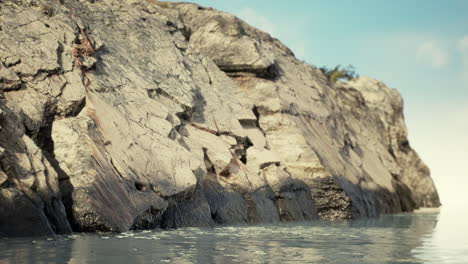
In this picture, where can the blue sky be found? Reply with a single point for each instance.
(419, 47)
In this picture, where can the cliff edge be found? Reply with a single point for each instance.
(119, 115)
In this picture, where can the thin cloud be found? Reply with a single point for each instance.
(430, 53)
(463, 44)
(253, 18)
(463, 47)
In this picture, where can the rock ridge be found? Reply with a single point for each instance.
(119, 115)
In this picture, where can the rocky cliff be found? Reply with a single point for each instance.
(132, 114)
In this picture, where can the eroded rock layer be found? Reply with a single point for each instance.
(119, 115)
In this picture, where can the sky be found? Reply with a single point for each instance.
(419, 47)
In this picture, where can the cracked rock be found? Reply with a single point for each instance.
(122, 115)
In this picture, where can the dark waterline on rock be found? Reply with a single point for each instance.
(405, 238)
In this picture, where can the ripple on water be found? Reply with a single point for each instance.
(393, 239)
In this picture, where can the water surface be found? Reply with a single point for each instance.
(427, 237)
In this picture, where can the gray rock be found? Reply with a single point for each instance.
(132, 114)
(8, 79)
(30, 198)
(329, 132)
(386, 108)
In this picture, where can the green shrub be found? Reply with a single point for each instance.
(339, 73)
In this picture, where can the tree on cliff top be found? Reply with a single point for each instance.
(339, 73)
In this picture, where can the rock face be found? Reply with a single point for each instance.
(119, 115)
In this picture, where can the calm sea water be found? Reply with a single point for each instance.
(425, 237)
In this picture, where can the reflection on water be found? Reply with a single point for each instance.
(408, 238)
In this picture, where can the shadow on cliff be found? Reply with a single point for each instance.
(377, 201)
(27, 209)
(66, 189)
(43, 139)
(213, 204)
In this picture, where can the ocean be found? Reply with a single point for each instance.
(427, 236)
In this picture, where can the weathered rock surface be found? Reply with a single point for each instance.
(120, 115)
